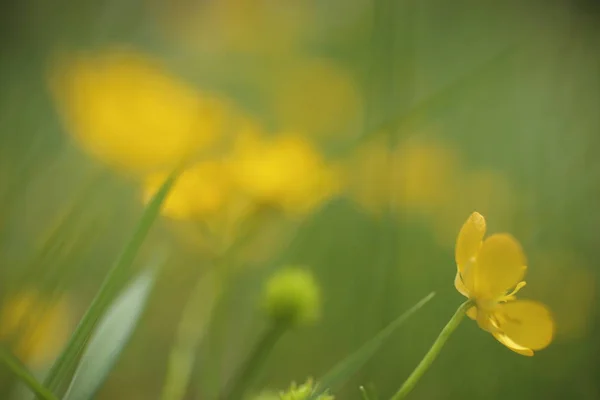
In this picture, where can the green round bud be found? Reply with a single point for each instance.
(302, 392)
(292, 296)
(294, 392)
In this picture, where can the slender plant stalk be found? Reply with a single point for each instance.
(190, 332)
(67, 361)
(256, 359)
(25, 376)
(433, 352)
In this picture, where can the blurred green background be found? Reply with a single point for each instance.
(434, 109)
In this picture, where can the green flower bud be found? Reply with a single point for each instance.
(295, 392)
(292, 296)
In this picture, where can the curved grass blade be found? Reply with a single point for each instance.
(21, 372)
(110, 338)
(437, 100)
(339, 374)
(111, 285)
(366, 394)
(190, 333)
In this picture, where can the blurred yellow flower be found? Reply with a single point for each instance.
(200, 191)
(424, 174)
(572, 275)
(125, 109)
(285, 171)
(35, 327)
(319, 98)
(487, 270)
(417, 176)
(369, 175)
(204, 195)
(243, 26)
(252, 24)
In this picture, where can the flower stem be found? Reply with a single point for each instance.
(433, 352)
(256, 359)
(190, 332)
(25, 376)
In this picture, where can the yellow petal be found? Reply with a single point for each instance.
(469, 241)
(525, 324)
(500, 266)
(505, 340)
(460, 286)
(472, 313)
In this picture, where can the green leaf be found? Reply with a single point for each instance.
(364, 393)
(110, 338)
(339, 374)
(190, 333)
(67, 361)
(24, 375)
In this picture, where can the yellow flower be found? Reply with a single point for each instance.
(487, 271)
(369, 175)
(285, 171)
(203, 195)
(424, 173)
(125, 109)
(317, 97)
(201, 190)
(35, 328)
(239, 26)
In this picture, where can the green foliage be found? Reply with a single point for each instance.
(112, 284)
(110, 337)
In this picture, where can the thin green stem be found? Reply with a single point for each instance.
(25, 376)
(256, 359)
(433, 352)
(190, 332)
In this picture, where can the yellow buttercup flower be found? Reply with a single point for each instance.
(35, 327)
(317, 97)
(225, 27)
(487, 272)
(125, 109)
(369, 175)
(285, 171)
(424, 173)
(202, 190)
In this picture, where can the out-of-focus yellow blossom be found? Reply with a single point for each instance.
(319, 98)
(424, 175)
(34, 327)
(487, 271)
(284, 171)
(369, 175)
(200, 191)
(567, 273)
(416, 176)
(125, 109)
(204, 194)
(246, 26)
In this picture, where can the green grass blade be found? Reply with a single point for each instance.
(364, 393)
(437, 100)
(339, 374)
(191, 330)
(21, 372)
(110, 338)
(111, 285)
(368, 392)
